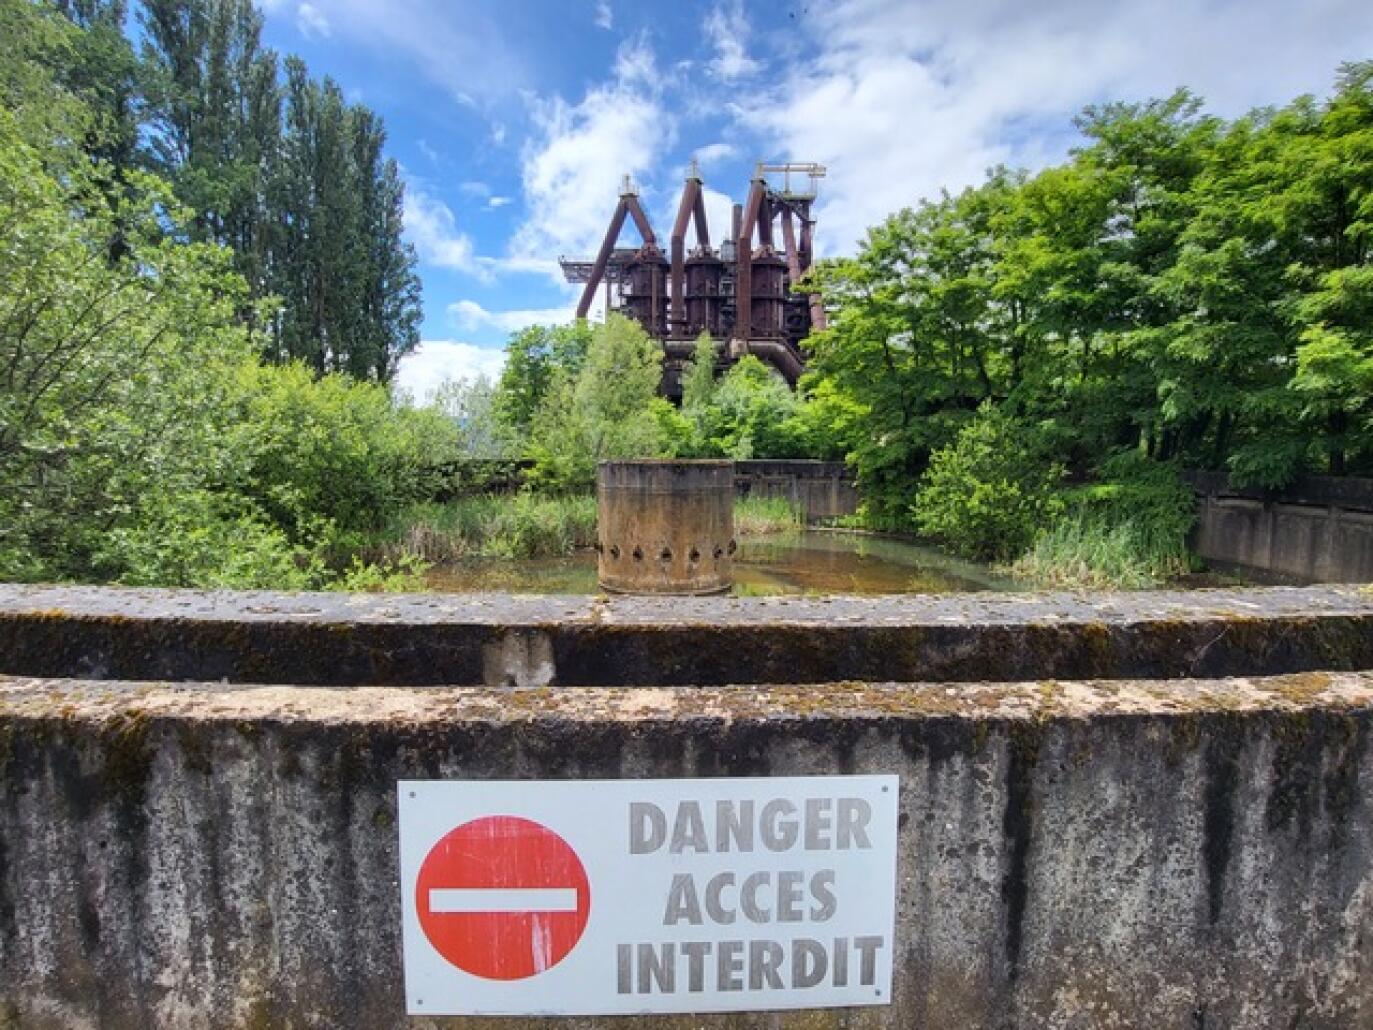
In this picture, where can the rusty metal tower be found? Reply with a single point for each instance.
(740, 294)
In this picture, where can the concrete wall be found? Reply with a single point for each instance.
(496, 640)
(822, 489)
(1319, 529)
(1176, 855)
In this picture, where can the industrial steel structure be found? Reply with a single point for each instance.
(740, 294)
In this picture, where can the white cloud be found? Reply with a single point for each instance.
(898, 106)
(312, 22)
(495, 202)
(572, 168)
(719, 216)
(605, 17)
(430, 225)
(434, 361)
(470, 316)
(728, 30)
(713, 153)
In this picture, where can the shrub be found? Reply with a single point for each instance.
(333, 452)
(988, 494)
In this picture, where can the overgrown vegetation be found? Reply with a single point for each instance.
(756, 516)
(1186, 290)
(521, 525)
(141, 439)
(530, 525)
(203, 290)
(572, 395)
(1086, 550)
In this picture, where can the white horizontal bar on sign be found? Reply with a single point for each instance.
(455, 900)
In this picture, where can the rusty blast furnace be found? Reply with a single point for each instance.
(740, 294)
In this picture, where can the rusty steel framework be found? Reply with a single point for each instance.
(740, 294)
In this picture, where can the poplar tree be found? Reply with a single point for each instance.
(290, 176)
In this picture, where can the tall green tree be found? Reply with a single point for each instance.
(291, 177)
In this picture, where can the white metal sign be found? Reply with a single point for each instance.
(603, 897)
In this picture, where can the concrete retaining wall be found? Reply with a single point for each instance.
(822, 489)
(1319, 529)
(495, 640)
(1189, 855)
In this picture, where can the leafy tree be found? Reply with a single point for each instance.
(140, 440)
(471, 404)
(1191, 288)
(113, 408)
(698, 376)
(609, 408)
(532, 356)
(751, 414)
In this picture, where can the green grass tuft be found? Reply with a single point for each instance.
(754, 516)
(1089, 551)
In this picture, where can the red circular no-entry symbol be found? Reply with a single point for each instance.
(502, 897)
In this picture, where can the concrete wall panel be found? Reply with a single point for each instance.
(1319, 529)
(1072, 855)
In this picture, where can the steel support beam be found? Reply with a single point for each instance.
(698, 214)
(640, 220)
(598, 269)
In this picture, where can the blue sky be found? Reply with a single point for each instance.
(513, 121)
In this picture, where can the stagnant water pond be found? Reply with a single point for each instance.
(810, 562)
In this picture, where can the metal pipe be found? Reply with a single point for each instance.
(743, 276)
(806, 226)
(691, 193)
(602, 258)
(765, 216)
(780, 356)
(789, 242)
(817, 309)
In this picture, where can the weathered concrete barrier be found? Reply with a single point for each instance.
(1320, 528)
(1179, 854)
(495, 640)
(821, 489)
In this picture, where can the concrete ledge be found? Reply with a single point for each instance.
(474, 639)
(1094, 854)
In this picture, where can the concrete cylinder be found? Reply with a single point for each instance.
(665, 527)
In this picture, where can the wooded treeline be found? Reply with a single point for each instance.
(1192, 289)
(273, 163)
(151, 429)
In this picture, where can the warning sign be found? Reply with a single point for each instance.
(502, 898)
(639, 896)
